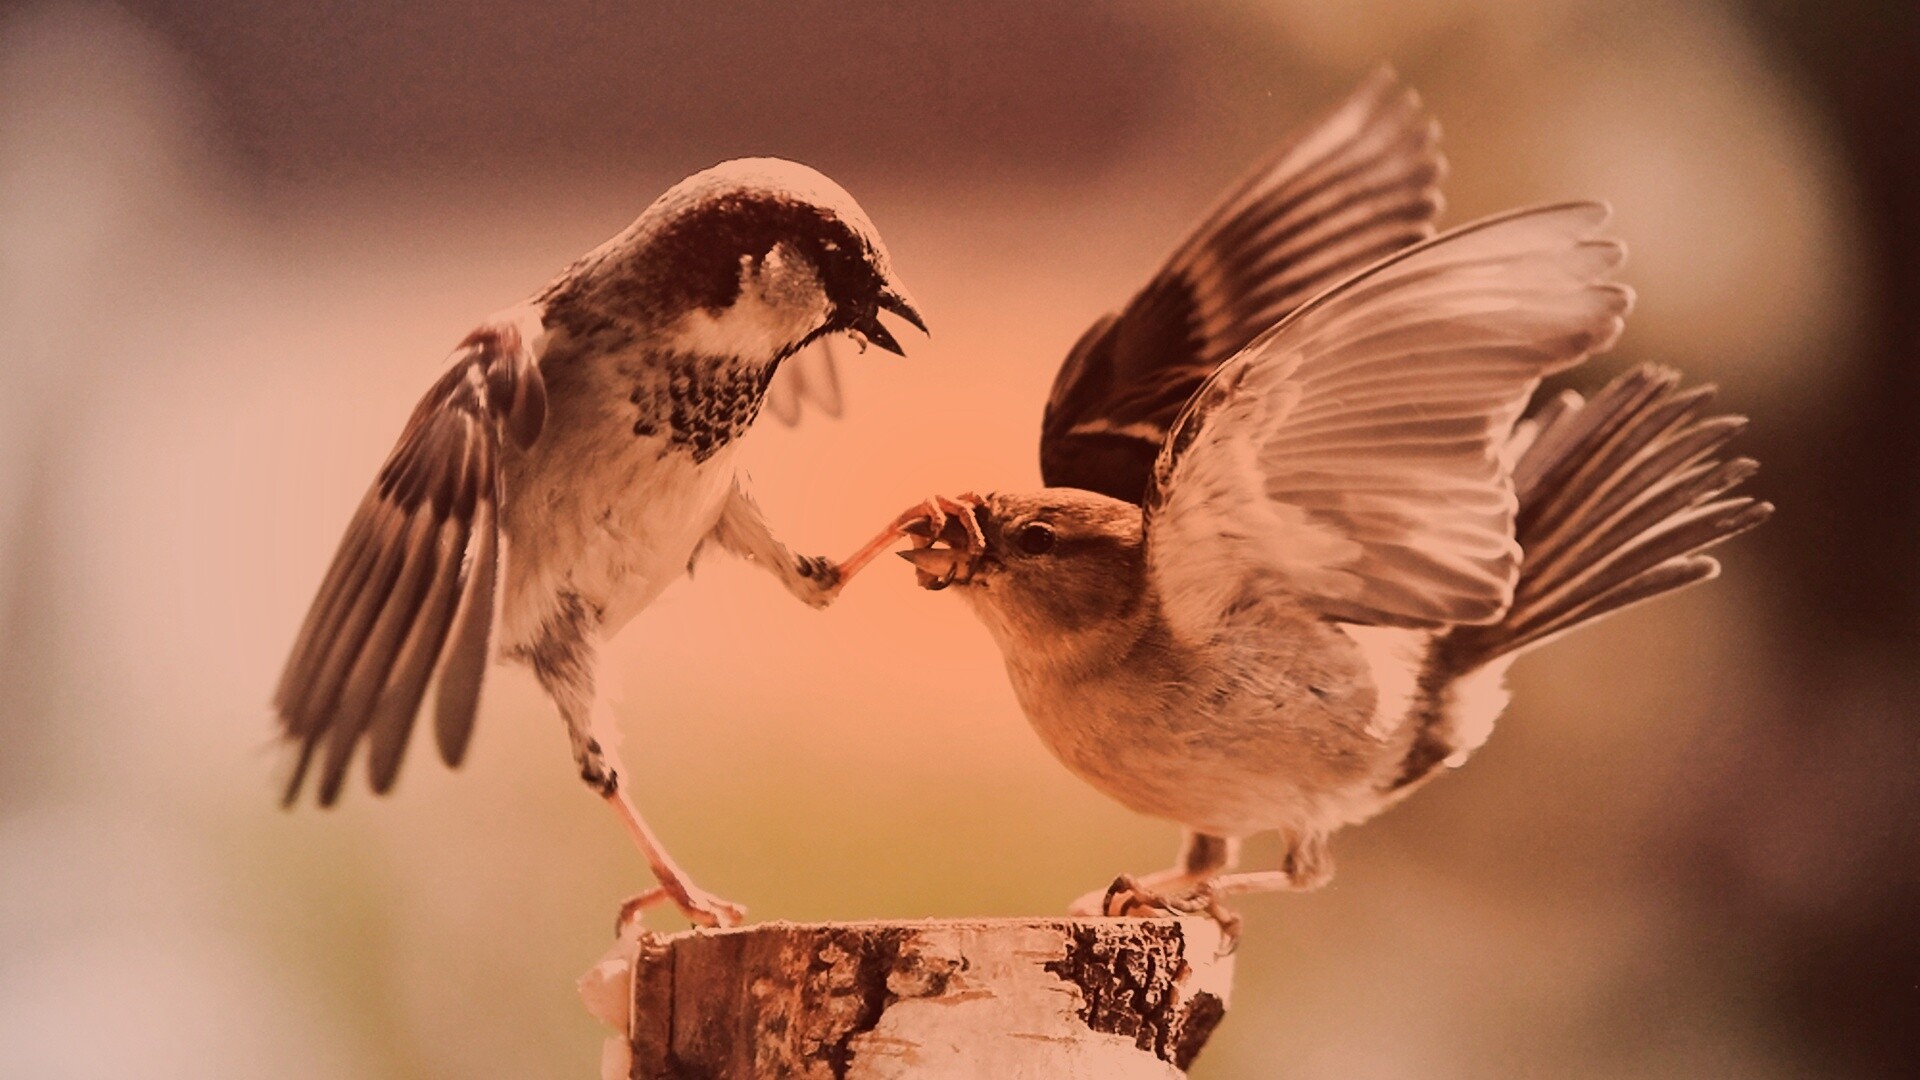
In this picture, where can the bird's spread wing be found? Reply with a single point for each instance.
(411, 591)
(1352, 455)
(1620, 498)
(1347, 191)
(809, 379)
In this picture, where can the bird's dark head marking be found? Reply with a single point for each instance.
(761, 248)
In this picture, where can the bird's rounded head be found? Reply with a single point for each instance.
(758, 256)
(1040, 566)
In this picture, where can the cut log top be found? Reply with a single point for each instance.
(1060, 999)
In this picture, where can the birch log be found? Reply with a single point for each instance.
(1059, 999)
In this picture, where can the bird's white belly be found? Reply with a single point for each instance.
(650, 534)
(1245, 771)
(615, 544)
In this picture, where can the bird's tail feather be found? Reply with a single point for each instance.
(1620, 497)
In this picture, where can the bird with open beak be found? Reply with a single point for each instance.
(578, 452)
(1296, 531)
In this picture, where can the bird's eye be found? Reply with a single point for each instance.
(1035, 538)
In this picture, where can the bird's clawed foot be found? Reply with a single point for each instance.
(954, 522)
(1128, 897)
(925, 523)
(930, 521)
(699, 907)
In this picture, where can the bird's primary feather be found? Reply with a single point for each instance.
(1619, 498)
(411, 589)
(1359, 184)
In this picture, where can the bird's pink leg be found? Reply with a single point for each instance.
(700, 907)
(591, 732)
(1253, 881)
(1307, 865)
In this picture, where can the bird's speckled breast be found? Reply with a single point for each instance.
(629, 477)
(697, 403)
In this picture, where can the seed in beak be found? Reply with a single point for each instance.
(937, 566)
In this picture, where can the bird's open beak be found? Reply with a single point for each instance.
(871, 329)
(893, 298)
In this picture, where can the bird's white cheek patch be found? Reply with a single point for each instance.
(750, 330)
(780, 303)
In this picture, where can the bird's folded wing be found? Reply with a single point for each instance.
(411, 590)
(807, 380)
(1352, 455)
(1356, 186)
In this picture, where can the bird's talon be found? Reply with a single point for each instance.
(965, 509)
(1101, 902)
(954, 522)
(1122, 897)
(1229, 922)
(713, 913)
(935, 517)
(1128, 898)
(633, 910)
(701, 908)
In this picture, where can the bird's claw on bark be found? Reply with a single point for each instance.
(1128, 898)
(699, 907)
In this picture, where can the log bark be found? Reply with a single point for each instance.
(1060, 999)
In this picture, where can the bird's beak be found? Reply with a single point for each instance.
(896, 299)
(893, 298)
(871, 329)
(937, 566)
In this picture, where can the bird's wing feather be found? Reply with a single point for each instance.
(1619, 497)
(1352, 455)
(1346, 191)
(809, 379)
(411, 589)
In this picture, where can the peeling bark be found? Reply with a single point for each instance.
(1113, 999)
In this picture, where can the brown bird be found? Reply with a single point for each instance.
(576, 456)
(1295, 534)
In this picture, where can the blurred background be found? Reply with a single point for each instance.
(237, 240)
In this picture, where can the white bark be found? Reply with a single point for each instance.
(1059, 999)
